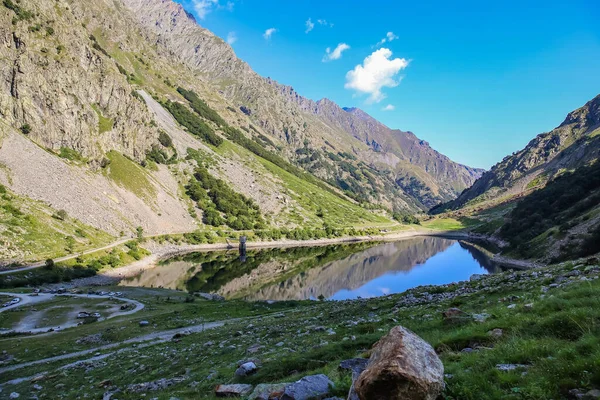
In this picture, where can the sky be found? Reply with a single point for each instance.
(476, 79)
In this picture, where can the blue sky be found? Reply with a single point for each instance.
(476, 79)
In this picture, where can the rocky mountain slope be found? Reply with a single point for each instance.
(572, 144)
(417, 171)
(88, 96)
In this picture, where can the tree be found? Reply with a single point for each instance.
(49, 264)
(139, 231)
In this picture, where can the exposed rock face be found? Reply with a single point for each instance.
(402, 366)
(572, 144)
(61, 86)
(406, 163)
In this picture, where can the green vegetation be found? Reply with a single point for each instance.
(565, 199)
(222, 205)
(554, 338)
(192, 122)
(406, 218)
(30, 231)
(70, 154)
(201, 108)
(104, 124)
(448, 224)
(129, 175)
(25, 129)
(21, 14)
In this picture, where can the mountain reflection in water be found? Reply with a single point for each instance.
(342, 271)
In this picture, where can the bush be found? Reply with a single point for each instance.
(165, 139)
(201, 108)
(61, 215)
(193, 123)
(26, 129)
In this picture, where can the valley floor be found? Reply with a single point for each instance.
(533, 334)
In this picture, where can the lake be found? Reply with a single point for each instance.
(338, 272)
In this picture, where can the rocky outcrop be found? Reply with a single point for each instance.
(573, 143)
(401, 366)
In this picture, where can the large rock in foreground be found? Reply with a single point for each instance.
(402, 366)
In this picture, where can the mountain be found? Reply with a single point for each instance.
(112, 111)
(574, 143)
(543, 201)
(407, 166)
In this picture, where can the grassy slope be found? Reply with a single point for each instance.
(28, 226)
(130, 176)
(557, 338)
(309, 197)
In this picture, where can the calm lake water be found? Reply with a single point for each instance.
(344, 271)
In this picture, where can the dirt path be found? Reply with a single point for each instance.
(27, 325)
(153, 339)
(66, 258)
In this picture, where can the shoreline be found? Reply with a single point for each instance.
(161, 252)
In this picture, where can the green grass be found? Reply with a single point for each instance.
(28, 229)
(130, 176)
(104, 124)
(449, 224)
(558, 338)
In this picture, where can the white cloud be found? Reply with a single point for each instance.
(376, 72)
(203, 7)
(231, 38)
(324, 22)
(309, 26)
(389, 37)
(269, 32)
(389, 107)
(336, 54)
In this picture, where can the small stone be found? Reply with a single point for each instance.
(37, 387)
(528, 306)
(480, 317)
(496, 332)
(144, 323)
(14, 395)
(512, 306)
(467, 350)
(593, 394)
(510, 367)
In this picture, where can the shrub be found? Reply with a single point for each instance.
(26, 129)
(60, 215)
(165, 139)
(193, 123)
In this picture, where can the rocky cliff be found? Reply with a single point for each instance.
(572, 144)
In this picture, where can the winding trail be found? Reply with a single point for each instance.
(152, 339)
(27, 299)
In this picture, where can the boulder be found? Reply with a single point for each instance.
(402, 366)
(266, 391)
(313, 387)
(453, 315)
(235, 390)
(246, 369)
